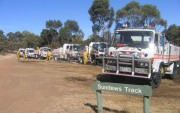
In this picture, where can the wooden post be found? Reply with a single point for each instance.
(146, 104)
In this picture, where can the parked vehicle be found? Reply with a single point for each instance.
(67, 52)
(21, 51)
(29, 52)
(42, 52)
(141, 53)
(95, 52)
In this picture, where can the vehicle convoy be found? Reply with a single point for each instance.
(95, 52)
(67, 52)
(141, 53)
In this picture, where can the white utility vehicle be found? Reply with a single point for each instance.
(29, 52)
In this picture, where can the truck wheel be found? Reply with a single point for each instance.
(157, 76)
(175, 71)
(155, 80)
(95, 61)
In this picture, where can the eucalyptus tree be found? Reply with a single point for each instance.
(50, 34)
(150, 14)
(71, 33)
(136, 15)
(101, 16)
(173, 34)
(2, 40)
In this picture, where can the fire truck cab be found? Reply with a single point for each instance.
(141, 53)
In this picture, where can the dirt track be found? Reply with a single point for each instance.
(33, 86)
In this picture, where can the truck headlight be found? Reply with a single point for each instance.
(143, 64)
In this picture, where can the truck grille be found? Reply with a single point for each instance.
(127, 65)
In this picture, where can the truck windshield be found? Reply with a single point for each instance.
(102, 46)
(139, 39)
(76, 47)
(31, 51)
(47, 49)
(99, 47)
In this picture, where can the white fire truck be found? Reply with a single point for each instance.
(67, 52)
(42, 52)
(95, 52)
(141, 53)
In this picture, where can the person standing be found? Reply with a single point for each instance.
(24, 55)
(85, 56)
(48, 55)
(18, 54)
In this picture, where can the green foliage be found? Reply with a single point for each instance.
(49, 36)
(53, 24)
(71, 33)
(173, 34)
(30, 40)
(130, 13)
(110, 17)
(72, 25)
(102, 16)
(64, 35)
(3, 41)
(138, 15)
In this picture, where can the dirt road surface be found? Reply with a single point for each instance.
(37, 86)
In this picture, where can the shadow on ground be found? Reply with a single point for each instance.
(94, 107)
(122, 79)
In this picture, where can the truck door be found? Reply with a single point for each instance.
(162, 45)
(158, 54)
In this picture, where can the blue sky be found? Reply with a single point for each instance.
(31, 15)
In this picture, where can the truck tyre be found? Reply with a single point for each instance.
(155, 80)
(156, 77)
(175, 71)
(95, 61)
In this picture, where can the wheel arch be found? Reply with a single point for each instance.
(156, 65)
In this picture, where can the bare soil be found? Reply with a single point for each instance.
(40, 86)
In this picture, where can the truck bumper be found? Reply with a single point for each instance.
(126, 65)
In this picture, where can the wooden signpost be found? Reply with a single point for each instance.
(141, 90)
